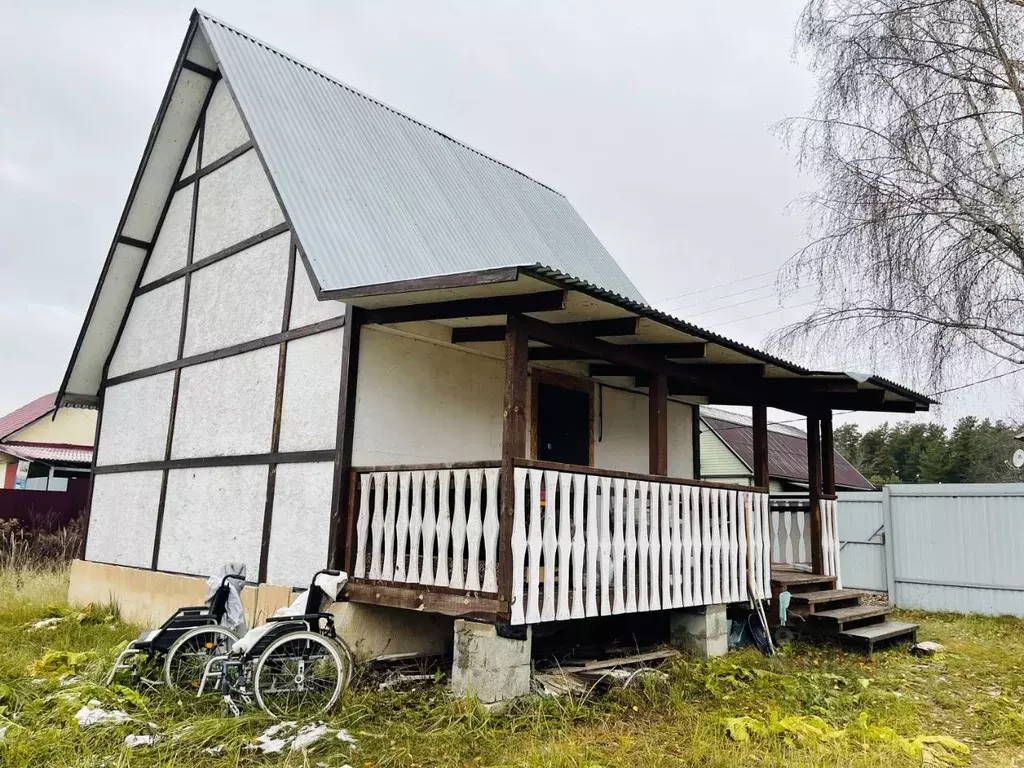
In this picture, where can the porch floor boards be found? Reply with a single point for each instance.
(836, 615)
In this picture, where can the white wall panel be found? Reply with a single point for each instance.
(301, 523)
(309, 410)
(421, 402)
(235, 202)
(190, 162)
(122, 521)
(680, 440)
(213, 515)
(224, 130)
(135, 419)
(170, 251)
(306, 309)
(150, 335)
(624, 445)
(238, 298)
(226, 407)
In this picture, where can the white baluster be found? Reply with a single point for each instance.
(802, 520)
(618, 546)
(716, 548)
(402, 526)
(705, 543)
(490, 530)
(429, 527)
(742, 515)
(734, 547)
(444, 526)
(458, 579)
(377, 523)
(518, 544)
(766, 566)
(655, 550)
(550, 517)
(605, 541)
(757, 540)
(578, 545)
(643, 549)
(415, 528)
(535, 544)
(474, 530)
(387, 570)
(362, 524)
(593, 523)
(562, 575)
(630, 546)
(683, 564)
(669, 537)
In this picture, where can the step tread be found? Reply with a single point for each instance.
(826, 595)
(853, 613)
(797, 578)
(886, 630)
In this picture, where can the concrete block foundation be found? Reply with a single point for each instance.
(704, 629)
(493, 668)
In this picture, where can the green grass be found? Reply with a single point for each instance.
(809, 706)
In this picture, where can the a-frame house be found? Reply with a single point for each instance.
(327, 333)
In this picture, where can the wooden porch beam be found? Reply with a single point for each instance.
(620, 326)
(828, 456)
(681, 351)
(814, 492)
(657, 406)
(760, 437)
(513, 444)
(563, 335)
(713, 370)
(546, 301)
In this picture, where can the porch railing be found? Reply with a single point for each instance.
(791, 538)
(584, 542)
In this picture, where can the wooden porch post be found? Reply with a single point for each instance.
(760, 417)
(828, 456)
(513, 446)
(814, 491)
(340, 553)
(658, 429)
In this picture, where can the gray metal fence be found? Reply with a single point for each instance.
(956, 548)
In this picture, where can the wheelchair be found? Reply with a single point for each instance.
(183, 643)
(293, 666)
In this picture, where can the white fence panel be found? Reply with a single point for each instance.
(949, 548)
(862, 541)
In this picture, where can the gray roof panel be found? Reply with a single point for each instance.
(377, 197)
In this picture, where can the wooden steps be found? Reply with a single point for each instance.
(838, 614)
(883, 632)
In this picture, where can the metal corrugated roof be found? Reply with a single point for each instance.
(22, 417)
(49, 453)
(377, 197)
(787, 453)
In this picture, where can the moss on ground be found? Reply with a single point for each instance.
(808, 706)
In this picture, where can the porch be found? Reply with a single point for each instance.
(521, 539)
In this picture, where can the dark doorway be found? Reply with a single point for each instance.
(563, 424)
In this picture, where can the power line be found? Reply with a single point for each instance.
(734, 304)
(720, 285)
(763, 314)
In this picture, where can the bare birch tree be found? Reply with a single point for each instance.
(917, 136)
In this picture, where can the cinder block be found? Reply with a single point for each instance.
(493, 668)
(705, 629)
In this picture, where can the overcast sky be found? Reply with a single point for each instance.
(652, 117)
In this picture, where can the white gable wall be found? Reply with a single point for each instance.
(220, 408)
(239, 298)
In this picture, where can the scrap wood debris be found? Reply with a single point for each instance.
(580, 676)
(407, 671)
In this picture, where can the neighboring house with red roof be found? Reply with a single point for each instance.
(41, 448)
(727, 454)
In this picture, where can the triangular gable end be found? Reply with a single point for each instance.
(154, 230)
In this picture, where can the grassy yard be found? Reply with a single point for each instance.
(806, 707)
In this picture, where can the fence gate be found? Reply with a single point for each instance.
(862, 541)
(937, 547)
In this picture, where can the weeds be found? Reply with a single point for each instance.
(41, 548)
(808, 706)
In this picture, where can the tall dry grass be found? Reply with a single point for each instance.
(39, 549)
